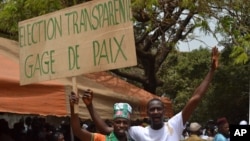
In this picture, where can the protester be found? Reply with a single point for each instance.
(158, 130)
(121, 123)
(223, 130)
(209, 131)
(194, 132)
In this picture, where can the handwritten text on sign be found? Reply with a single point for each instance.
(90, 37)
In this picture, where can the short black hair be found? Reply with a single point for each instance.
(155, 99)
(221, 121)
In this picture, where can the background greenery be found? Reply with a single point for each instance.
(159, 26)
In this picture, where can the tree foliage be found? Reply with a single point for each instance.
(14, 11)
(184, 75)
(231, 90)
(234, 24)
(159, 26)
(228, 94)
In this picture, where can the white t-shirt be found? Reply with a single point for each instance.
(170, 132)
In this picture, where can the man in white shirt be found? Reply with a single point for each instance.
(158, 130)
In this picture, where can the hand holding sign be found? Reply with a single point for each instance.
(87, 96)
(76, 108)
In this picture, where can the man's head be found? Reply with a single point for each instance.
(122, 110)
(223, 126)
(156, 112)
(195, 128)
(121, 122)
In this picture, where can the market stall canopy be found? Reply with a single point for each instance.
(51, 97)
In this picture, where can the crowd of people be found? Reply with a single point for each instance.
(157, 130)
(211, 131)
(34, 128)
(122, 128)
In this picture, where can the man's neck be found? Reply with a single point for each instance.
(157, 126)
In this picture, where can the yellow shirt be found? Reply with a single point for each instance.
(194, 138)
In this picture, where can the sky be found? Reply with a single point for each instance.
(203, 40)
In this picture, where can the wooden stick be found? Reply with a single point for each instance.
(76, 106)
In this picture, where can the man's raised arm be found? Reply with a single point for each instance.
(202, 88)
(87, 97)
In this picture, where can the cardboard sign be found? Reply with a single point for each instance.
(90, 37)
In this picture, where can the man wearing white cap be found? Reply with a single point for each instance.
(195, 132)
